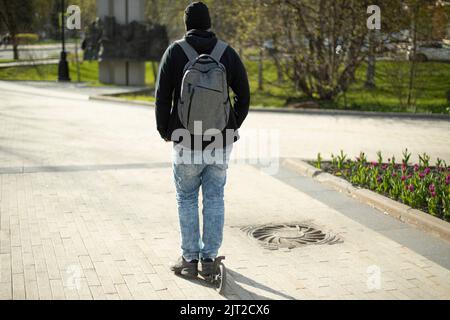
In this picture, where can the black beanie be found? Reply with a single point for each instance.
(196, 16)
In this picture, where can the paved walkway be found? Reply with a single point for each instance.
(87, 209)
(39, 51)
(37, 62)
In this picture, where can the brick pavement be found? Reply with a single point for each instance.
(87, 211)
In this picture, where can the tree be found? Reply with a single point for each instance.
(371, 60)
(323, 41)
(16, 16)
(168, 13)
(441, 21)
(392, 21)
(252, 31)
(418, 13)
(249, 24)
(425, 21)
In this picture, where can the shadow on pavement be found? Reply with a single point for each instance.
(235, 291)
(233, 280)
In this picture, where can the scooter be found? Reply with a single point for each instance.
(219, 277)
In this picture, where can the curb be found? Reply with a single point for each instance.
(323, 112)
(120, 100)
(353, 113)
(400, 211)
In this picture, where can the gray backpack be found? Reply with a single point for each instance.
(204, 91)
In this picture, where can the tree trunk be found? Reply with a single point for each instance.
(412, 57)
(276, 60)
(371, 61)
(15, 47)
(260, 69)
(77, 60)
(154, 70)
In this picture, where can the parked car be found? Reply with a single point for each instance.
(436, 51)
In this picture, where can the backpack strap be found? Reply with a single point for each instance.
(188, 50)
(218, 50)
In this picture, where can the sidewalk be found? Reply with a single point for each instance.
(111, 234)
(88, 211)
(38, 51)
(70, 90)
(36, 62)
(38, 46)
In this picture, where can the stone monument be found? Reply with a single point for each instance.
(122, 41)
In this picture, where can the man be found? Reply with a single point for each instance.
(190, 175)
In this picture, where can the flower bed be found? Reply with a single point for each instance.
(419, 186)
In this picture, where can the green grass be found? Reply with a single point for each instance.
(138, 97)
(391, 77)
(433, 82)
(7, 60)
(273, 94)
(88, 73)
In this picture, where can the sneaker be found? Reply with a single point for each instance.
(207, 268)
(185, 268)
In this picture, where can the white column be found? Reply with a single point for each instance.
(116, 72)
(136, 10)
(136, 70)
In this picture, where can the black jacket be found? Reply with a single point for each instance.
(170, 76)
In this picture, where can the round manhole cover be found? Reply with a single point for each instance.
(292, 235)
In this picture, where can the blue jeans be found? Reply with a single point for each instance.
(193, 169)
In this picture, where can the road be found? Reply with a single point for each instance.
(290, 135)
(35, 51)
(88, 211)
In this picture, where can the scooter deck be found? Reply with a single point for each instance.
(218, 279)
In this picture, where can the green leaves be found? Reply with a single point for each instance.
(419, 186)
(406, 156)
(319, 161)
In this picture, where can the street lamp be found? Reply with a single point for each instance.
(63, 67)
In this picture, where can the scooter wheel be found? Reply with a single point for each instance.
(220, 278)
